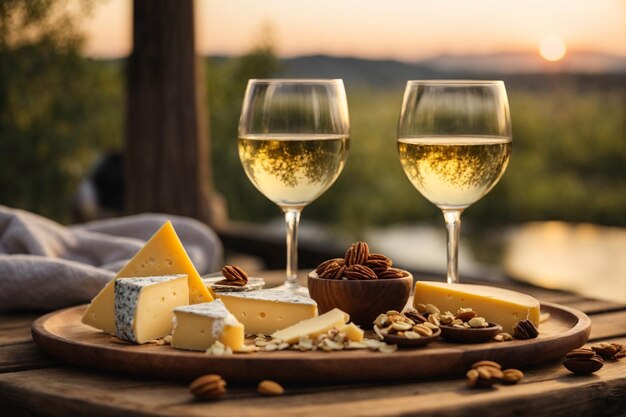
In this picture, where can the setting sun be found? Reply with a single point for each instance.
(552, 48)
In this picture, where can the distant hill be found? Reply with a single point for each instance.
(356, 71)
(582, 70)
(515, 63)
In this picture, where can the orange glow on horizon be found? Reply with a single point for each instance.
(403, 30)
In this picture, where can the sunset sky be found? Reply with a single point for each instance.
(396, 29)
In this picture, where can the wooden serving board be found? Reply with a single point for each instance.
(62, 335)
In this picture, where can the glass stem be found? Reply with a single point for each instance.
(453, 226)
(292, 218)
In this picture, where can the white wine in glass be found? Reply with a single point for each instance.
(454, 144)
(454, 172)
(293, 170)
(294, 136)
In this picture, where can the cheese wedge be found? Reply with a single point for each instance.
(353, 332)
(198, 326)
(497, 305)
(312, 328)
(143, 306)
(265, 311)
(163, 254)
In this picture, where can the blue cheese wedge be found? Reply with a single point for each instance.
(199, 326)
(144, 306)
(266, 311)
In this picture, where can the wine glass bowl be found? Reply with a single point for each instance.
(293, 144)
(454, 144)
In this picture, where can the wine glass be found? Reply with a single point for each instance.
(454, 143)
(293, 143)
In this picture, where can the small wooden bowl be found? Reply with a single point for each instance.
(363, 300)
(470, 335)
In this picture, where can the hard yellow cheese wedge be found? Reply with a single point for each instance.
(163, 254)
(497, 305)
(266, 311)
(198, 326)
(334, 318)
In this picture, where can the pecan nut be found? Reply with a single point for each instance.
(391, 273)
(327, 264)
(208, 387)
(378, 262)
(334, 271)
(414, 315)
(357, 254)
(234, 276)
(581, 353)
(359, 272)
(525, 329)
(583, 361)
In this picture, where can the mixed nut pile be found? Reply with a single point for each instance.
(487, 373)
(333, 340)
(408, 324)
(465, 317)
(359, 264)
(426, 319)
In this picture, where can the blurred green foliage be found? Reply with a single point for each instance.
(58, 110)
(568, 161)
(226, 84)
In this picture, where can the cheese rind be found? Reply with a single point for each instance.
(498, 305)
(266, 311)
(313, 327)
(163, 254)
(199, 326)
(143, 306)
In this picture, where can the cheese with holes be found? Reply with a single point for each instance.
(163, 254)
(265, 311)
(312, 328)
(497, 305)
(353, 332)
(143, 306)
(198, 326)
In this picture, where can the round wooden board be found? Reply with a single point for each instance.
(62, 335)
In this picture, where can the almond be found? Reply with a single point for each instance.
(268, 387)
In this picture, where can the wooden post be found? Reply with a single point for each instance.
(167, 152)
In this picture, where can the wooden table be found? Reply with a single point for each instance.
(32, 383)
